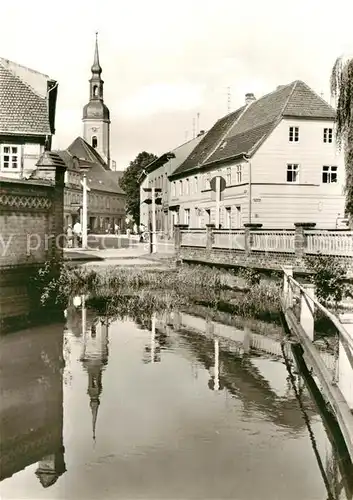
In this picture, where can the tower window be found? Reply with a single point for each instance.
(94, 142)
(95, 91)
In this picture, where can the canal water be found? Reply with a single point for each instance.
(157, 409)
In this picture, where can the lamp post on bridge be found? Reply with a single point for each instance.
(153, 201)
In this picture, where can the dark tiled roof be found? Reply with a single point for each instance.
(84, 151)
(242, 143)
(22, 110)
(101, 180)
(208, 143)
(243, 131)
(304, 102)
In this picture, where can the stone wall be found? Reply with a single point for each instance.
(31, 233)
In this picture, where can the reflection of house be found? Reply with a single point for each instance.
(31, 407)
(27, 117)
(94, 358)
(156, 174)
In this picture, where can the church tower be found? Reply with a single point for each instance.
(96, 116)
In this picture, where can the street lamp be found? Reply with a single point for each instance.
(153, 190)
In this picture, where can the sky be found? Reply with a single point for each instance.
(166, 62)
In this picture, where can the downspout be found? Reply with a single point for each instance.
(249, 188)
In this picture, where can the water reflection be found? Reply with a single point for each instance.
(31, 407)
(183, 408)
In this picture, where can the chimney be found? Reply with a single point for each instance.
(200, 133)
(249, 98)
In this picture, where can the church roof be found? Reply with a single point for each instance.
(243, 131)
(84, 151)
(24, 108)
(99, 177)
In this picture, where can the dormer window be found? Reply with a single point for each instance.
(94, 142)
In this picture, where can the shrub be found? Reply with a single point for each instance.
(329, 277)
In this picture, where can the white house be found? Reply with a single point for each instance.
(278, 158)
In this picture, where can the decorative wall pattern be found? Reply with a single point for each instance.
(23, 201)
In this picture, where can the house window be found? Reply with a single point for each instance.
(10, 158)
(228, 221)
(328, 133)
(187, 216)
(94, 141)
(174, 189)
(329, 174)
(229, 176)
(208, 216)
(292, 172)
(238, 220)
(187, 187)
(239, 174)
(180, 187)
(293, 134)
(196, 184)
(208, 180)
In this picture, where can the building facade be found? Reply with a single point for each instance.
(27, 118)
(157, 174)
(278, 160)
(106, 200)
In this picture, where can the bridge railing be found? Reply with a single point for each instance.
(329, 242)
(299, 306)
(193, 238)
(273, 241)
(229, 239)
(298, 241)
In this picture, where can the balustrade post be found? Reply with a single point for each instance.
(299, 238)
(248, 236)
(209, 237)
(345, 361)
(287, 287)
(177, 238)
(307, 310)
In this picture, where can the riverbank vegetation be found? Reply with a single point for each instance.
(212, 288)
(116, 290)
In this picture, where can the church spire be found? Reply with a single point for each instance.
(96, 67)
(94, 404)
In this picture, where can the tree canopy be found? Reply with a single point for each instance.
(130, 183)
(342, 91)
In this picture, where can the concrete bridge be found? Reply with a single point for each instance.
(259, 248)
(335, 385)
